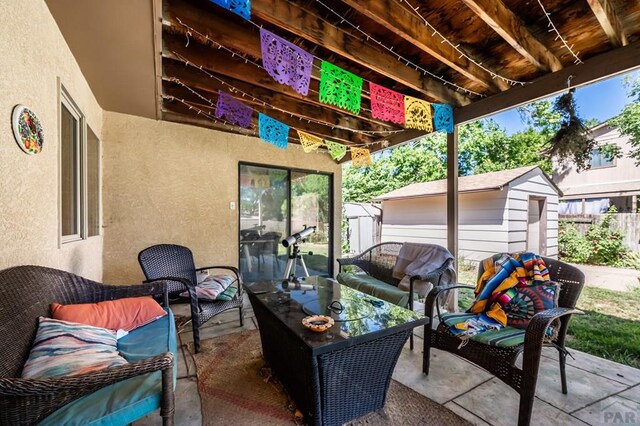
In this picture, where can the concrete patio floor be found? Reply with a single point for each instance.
(601, 392)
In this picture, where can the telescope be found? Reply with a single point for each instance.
(295, 238)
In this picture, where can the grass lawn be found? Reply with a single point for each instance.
(609, 328)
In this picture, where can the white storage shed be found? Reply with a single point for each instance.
(506, 211)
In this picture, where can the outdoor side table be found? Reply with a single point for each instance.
(343, 373)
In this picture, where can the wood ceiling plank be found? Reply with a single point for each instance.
(405, 24)
(219, 62)
(336, 135)
(305, 23)
(200, 81)
(513, 31)
(603, 9)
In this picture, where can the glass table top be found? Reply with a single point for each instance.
(356, 314)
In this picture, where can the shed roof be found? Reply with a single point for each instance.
(474, 183)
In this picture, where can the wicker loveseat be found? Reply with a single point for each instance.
(115, 395)
(378, 262)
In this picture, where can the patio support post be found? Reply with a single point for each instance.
(452, 207)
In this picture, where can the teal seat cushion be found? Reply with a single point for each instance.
(374, 287)
(506, 337)
(127, 401)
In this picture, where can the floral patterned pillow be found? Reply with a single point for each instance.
(529, 300)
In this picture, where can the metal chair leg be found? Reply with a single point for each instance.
(426, 354)
(562, 357)
(241, 316)
(196, 334)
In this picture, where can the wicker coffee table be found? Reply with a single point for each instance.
(343, 373)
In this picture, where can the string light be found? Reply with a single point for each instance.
(234, 89)
(403, 60)
(234, 53)
(559, 36)
(232, 127)
(400, 58)
(252, 129)
(456, 47)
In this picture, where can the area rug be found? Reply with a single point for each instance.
(236, 388)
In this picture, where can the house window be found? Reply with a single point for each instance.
(93, 184)
(599, 160)
(79, 174)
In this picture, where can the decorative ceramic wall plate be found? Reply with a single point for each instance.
(27, 129)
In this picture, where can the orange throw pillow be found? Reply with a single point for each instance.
(126, 314)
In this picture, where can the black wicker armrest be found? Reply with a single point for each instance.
(536, 331)
(356, 261)
(436, 273)
(233, 269)
(432, 297)
(347, 261)
(31, 400)
(102, 292)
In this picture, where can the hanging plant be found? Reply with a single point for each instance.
(572, 141)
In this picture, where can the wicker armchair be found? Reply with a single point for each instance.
(379, 260)
(25, 294)
(500, 361)
(175, 265)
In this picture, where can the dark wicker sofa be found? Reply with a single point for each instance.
(25, 294)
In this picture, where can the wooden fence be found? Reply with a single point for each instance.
(628, 223)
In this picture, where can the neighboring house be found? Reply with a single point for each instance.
(363, 225)
(507, 211)
(607, 182)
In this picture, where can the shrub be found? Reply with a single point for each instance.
(602, 244)
(572, 244)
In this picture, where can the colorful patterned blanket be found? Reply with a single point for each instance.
(502, 274)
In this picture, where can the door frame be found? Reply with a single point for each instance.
(542, 223)
(289, 170)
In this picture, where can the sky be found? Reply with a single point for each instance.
(602, 100)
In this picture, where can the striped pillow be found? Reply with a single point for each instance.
(63, 348)
(212, 288)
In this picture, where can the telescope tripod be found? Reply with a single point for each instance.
(290, 270)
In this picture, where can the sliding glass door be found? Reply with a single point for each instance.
(275, 203)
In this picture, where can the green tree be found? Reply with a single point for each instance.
(628, 122)
(483, 147)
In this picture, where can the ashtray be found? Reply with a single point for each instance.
(318, 323)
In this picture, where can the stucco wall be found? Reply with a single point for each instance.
(172, 183)
(34, 54)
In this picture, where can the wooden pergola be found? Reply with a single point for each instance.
(481, 56)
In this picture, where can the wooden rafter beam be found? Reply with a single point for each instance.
(337, 135)
(405, 24)
(219, 62)
(243, 39)
(603, 9)
(200, 81)
(303, 22)
(608, 64)
(513, 31)
(179, 113)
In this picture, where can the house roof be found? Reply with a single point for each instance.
(474, 183)
(481, 57)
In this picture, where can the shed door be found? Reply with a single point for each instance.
(537, 226)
